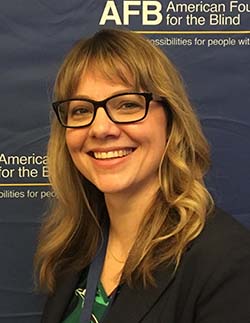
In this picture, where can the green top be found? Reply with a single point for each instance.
(100, 304)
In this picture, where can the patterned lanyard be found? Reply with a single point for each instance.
(95, 270)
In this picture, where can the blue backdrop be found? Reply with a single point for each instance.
(212, 54)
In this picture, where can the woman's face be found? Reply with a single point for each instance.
(117, 158)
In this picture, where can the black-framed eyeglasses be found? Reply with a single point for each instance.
(120, 108)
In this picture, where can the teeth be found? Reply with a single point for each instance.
(112, 154)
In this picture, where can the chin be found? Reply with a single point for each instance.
(112, 189)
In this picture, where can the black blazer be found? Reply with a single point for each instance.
(211, 285)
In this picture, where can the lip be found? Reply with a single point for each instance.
(107, 149)
(110, 149)
(110, 162)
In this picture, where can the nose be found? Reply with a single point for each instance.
(102, 127)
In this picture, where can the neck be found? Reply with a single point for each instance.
(126, 212)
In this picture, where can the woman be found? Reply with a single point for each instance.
(133, 235)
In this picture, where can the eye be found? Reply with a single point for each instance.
(128, 107)
(79, 109)
(128, 103)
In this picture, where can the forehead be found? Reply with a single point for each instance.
(98, 85)
(95, 80)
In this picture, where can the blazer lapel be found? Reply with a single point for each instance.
(57, 303)
(135, 303)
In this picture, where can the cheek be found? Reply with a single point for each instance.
(157, 128)
(161, 124)
(151, 131)
(75, 139)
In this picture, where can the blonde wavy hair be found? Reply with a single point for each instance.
(71, 231)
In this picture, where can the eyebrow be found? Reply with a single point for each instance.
(83, 96)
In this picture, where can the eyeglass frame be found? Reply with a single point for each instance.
(103, 104)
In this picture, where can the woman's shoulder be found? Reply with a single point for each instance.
(221, 228)
(223, 239)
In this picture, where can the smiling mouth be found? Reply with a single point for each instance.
(111, 154)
